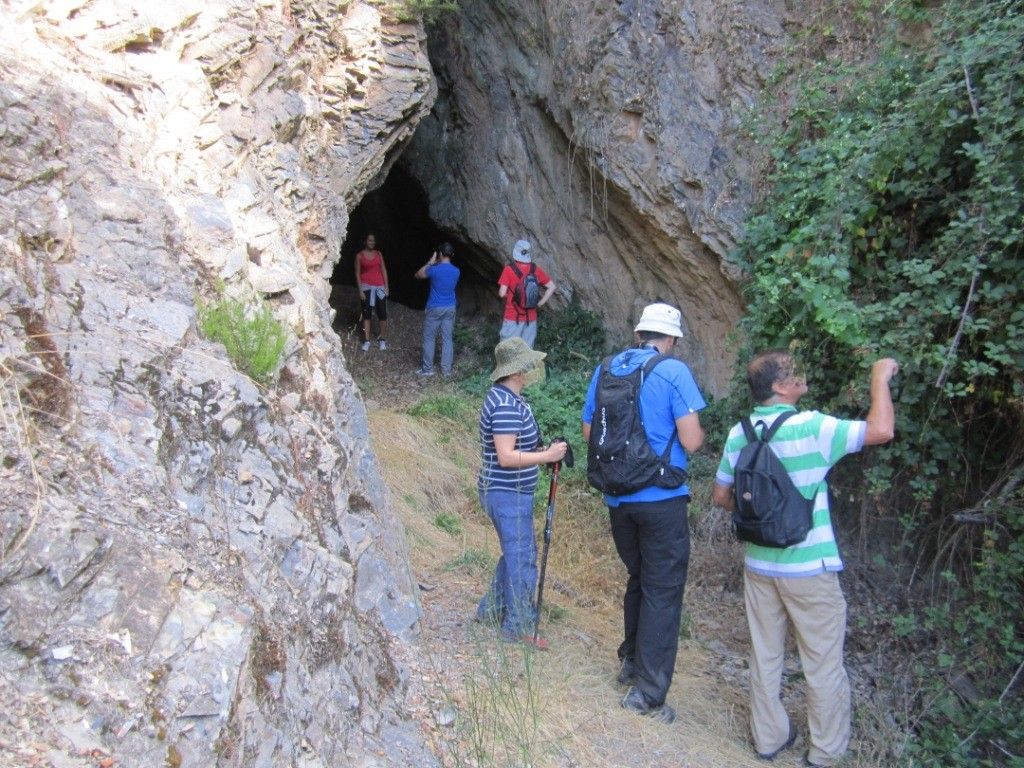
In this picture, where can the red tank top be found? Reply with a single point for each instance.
(370, 272)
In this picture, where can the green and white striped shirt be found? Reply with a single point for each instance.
(808, 444)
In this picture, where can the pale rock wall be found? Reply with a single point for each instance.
(194, 570)
(609, 134)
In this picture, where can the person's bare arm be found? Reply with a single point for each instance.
(510, 458)
(881, 416)
(421, 273)
(691, 433)
(502, 291)
(384, 271)
(721, 495)
(548, 290)
(586, 432)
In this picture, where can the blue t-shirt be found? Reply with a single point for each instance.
(443, 279)
(505, 413)
(668, 393)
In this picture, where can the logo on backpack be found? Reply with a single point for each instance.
(527, 292)
(619, 458)
(770, 511)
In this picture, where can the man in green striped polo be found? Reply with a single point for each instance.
(798, 584)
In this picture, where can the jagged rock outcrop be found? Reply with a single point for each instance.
(609, 134)
(195, 570)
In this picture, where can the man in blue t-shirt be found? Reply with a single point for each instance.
(439, 314)
(650, 527)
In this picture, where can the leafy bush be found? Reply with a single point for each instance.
(893, 227)
(428, 10)
(253, 338)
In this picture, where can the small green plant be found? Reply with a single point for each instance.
(472, 561)
(253, 338)
(449, 523)
(503, 705)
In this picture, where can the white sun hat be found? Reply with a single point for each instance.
(661, 318)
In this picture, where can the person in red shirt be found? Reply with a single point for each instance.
(520, 321)
(372, 279)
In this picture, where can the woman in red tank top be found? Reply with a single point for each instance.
(372, 279)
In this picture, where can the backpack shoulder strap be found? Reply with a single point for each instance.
(650, 364)
(748, 430)
(515, 268)
(770, 433)
(533, 268)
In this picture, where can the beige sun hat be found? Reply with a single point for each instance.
(513, 355)
(661, 318)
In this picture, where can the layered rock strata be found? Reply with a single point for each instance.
(610, 135)
(195, 570)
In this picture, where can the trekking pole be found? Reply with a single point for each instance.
(548, 527)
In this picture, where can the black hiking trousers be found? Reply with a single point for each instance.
(653, 542)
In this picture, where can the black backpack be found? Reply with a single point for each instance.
(770, 511)
(619, 458)
(527, 293)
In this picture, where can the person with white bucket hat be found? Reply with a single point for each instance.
(647, 494)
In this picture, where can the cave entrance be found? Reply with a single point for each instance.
(397, 213)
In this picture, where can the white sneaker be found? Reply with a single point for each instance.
(365, 346)
(425, 372)
(383, 344)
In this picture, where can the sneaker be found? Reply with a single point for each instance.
(365, 346)
(425, 372)
(768, 756)
(382, 344)
(627, 672)
(635, 701)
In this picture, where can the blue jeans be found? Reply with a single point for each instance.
(510, 598)
(435, 319)
(526, 331)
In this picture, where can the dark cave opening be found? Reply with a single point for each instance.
(397, 212)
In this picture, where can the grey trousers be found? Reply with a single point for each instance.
(438, 319)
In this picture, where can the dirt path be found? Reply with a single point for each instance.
(483, 702)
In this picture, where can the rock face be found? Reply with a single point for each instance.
(609, 135)
(194, 570)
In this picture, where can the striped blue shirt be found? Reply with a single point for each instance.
(505, 413)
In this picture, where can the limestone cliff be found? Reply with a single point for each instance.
(609, 135)
(195, 570)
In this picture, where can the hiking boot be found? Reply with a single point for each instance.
(635, 701)
(627, 672)
(365, 346)
(425, 372)
(382, 344)
(769, 756)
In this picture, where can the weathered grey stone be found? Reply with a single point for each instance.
(176, 540)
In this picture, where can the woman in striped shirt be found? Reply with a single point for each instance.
(510, 466)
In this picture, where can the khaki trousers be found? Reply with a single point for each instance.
(817, 609)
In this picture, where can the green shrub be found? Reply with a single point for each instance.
(892, 226)
(253, 338)
(428, 10)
